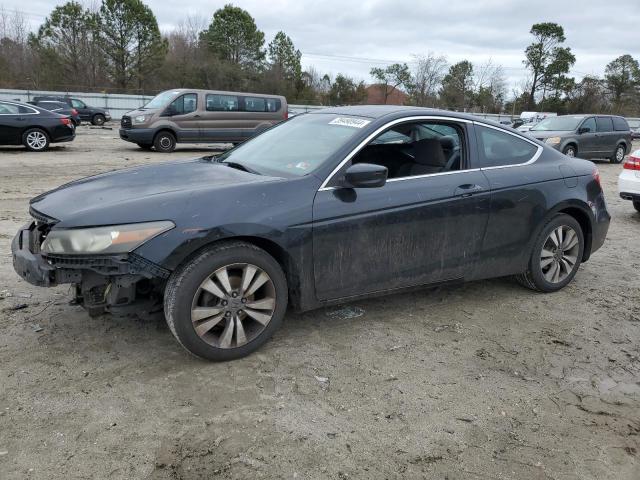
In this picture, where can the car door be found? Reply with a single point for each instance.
(12, 122)
(222, 119)
(85, 112)
(588, 141)
(183, 113)
(508, 161)
(606, 137)
(414, 230)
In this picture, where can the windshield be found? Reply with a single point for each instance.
(161, 99)
(563, 124)
(298, 146)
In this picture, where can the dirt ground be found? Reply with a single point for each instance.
(483, 381)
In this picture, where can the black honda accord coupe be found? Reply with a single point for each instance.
(324, 208)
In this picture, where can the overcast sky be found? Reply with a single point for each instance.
(374, 31)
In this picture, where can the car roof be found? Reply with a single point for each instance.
(379, 111)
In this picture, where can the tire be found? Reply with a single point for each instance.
(145, 146)
(98, 119)
(636, 205)
(35, 139)
(618, 155)
(220, 337)
(537, 275)
(164, 142)
(570, 151)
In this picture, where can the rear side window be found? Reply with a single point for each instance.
(255, 104)
(620, 124)
(604, 124)
(222, 103)
(186, 103)
(499, 149)
(273, 104)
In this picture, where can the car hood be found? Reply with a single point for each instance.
(548, 133)
(142, 111)
(138, 194)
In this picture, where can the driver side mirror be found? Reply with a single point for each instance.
(582, 130)
(170, 111)
(365, 175)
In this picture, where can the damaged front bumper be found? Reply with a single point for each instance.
(114, 283)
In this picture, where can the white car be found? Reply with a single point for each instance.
(629, 179)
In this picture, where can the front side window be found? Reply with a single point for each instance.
(222, 103)
(416, 148)
(604, 124)
(77, 103)
(9, 109)
(589, 123)
(296, 147)
(500, 149)
(185, 104)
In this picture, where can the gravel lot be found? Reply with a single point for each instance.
(483, 381)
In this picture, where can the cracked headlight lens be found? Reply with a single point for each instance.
(103, 240)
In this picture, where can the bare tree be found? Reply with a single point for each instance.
(427, 77)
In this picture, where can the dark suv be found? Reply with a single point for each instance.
(95, 115)
(586, 136)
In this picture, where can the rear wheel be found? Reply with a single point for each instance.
(556, 256)
(618, 155)
(570, 151)
(226, 302)
(98, 119)
(164, 142)
(35, 139)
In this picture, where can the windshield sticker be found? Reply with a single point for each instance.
(350, 122)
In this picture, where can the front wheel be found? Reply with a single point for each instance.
(226, 302)
(556, 256)
(569, 151)
(35, 139)
(618, 156)
(164, 142)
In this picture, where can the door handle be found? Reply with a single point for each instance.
(468, 189)
(196, 116)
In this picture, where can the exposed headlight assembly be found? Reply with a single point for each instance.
(103, 240)
(138, 119)
(553, 140)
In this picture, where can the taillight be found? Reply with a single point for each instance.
(596, 175)
(66, 121)
(632, 163)
(286, 114)
(74, 111)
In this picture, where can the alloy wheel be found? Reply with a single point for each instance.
(36, 140)
(570, 152)
(233, 306)
(619, 154)
(559, 254)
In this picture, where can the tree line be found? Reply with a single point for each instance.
(117, 46)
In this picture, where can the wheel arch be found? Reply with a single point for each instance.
(582, 216)
(271, 247)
